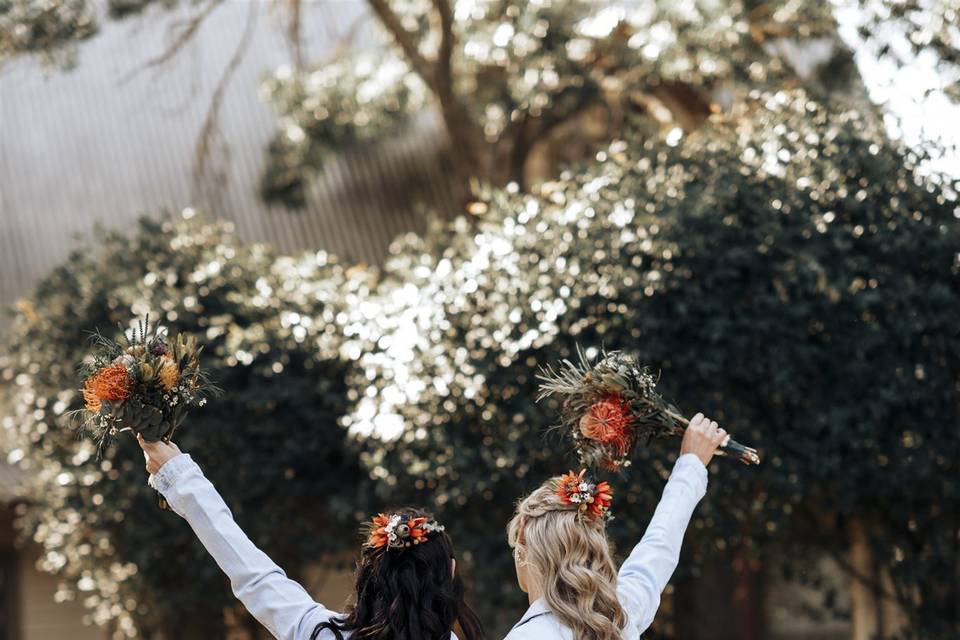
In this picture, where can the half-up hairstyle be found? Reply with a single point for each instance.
(570, 555)
(406, 593)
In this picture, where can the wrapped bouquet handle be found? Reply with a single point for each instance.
(729, 446)
(610, 406)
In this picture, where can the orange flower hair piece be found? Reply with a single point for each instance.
(590, 499)
(112, 383)
(398, 531)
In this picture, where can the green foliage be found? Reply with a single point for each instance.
(42, 25)
(271, 444)
(789, 271)
(338, 104)
(50, 27)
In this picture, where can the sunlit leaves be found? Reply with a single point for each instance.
(268, 326)
(42, 25)
(788, 271)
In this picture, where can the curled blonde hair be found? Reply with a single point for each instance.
(570, 555)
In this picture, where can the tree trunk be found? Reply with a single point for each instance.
(873, 611)
(465, 142)
(748, 597)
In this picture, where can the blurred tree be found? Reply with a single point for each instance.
(272, 444)
(787, 268)
(523, 88)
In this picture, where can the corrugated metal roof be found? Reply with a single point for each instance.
(78, 147)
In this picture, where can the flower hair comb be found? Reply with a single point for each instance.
(397, 531)
(592, 500)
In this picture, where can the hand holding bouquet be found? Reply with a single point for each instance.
(144, 385)
(611, 406)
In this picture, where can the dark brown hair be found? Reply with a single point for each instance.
(407, 593)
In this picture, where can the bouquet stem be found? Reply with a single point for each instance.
(730, 447)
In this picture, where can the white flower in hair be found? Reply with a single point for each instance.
(399, 531)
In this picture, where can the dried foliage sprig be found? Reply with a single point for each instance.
(610, 406)
(145, 384)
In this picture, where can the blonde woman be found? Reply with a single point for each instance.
(563, 557)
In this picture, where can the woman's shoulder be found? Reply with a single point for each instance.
(544, 626)
(311, 624)
(346, 635)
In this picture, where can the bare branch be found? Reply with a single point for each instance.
(186, 30)
(345, 41)
(445, 54)
(294, 28)
(210, 124)
(403, 39)
(438, 77)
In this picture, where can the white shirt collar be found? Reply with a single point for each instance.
(537, 608)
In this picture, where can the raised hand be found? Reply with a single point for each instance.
(702, 437)
(157, 454)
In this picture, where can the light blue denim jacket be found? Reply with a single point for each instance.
(646, 572)
(279, 603)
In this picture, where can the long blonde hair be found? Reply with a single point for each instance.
(570, 554)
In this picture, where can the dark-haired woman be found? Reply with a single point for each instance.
(407, 587)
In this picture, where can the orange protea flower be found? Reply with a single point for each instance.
(169, 372)
(591, 499)
(608, 421)
(111, 383)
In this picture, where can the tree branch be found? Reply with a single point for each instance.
(444, 69)
(294, 33)
(403, 39)
(210, 124)
(188, 28)
(536, 129)
(438, 76)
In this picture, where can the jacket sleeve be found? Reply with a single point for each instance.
(279, 603)
(647, 570)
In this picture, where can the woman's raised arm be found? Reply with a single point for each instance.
(648, 569)
(277, 602)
